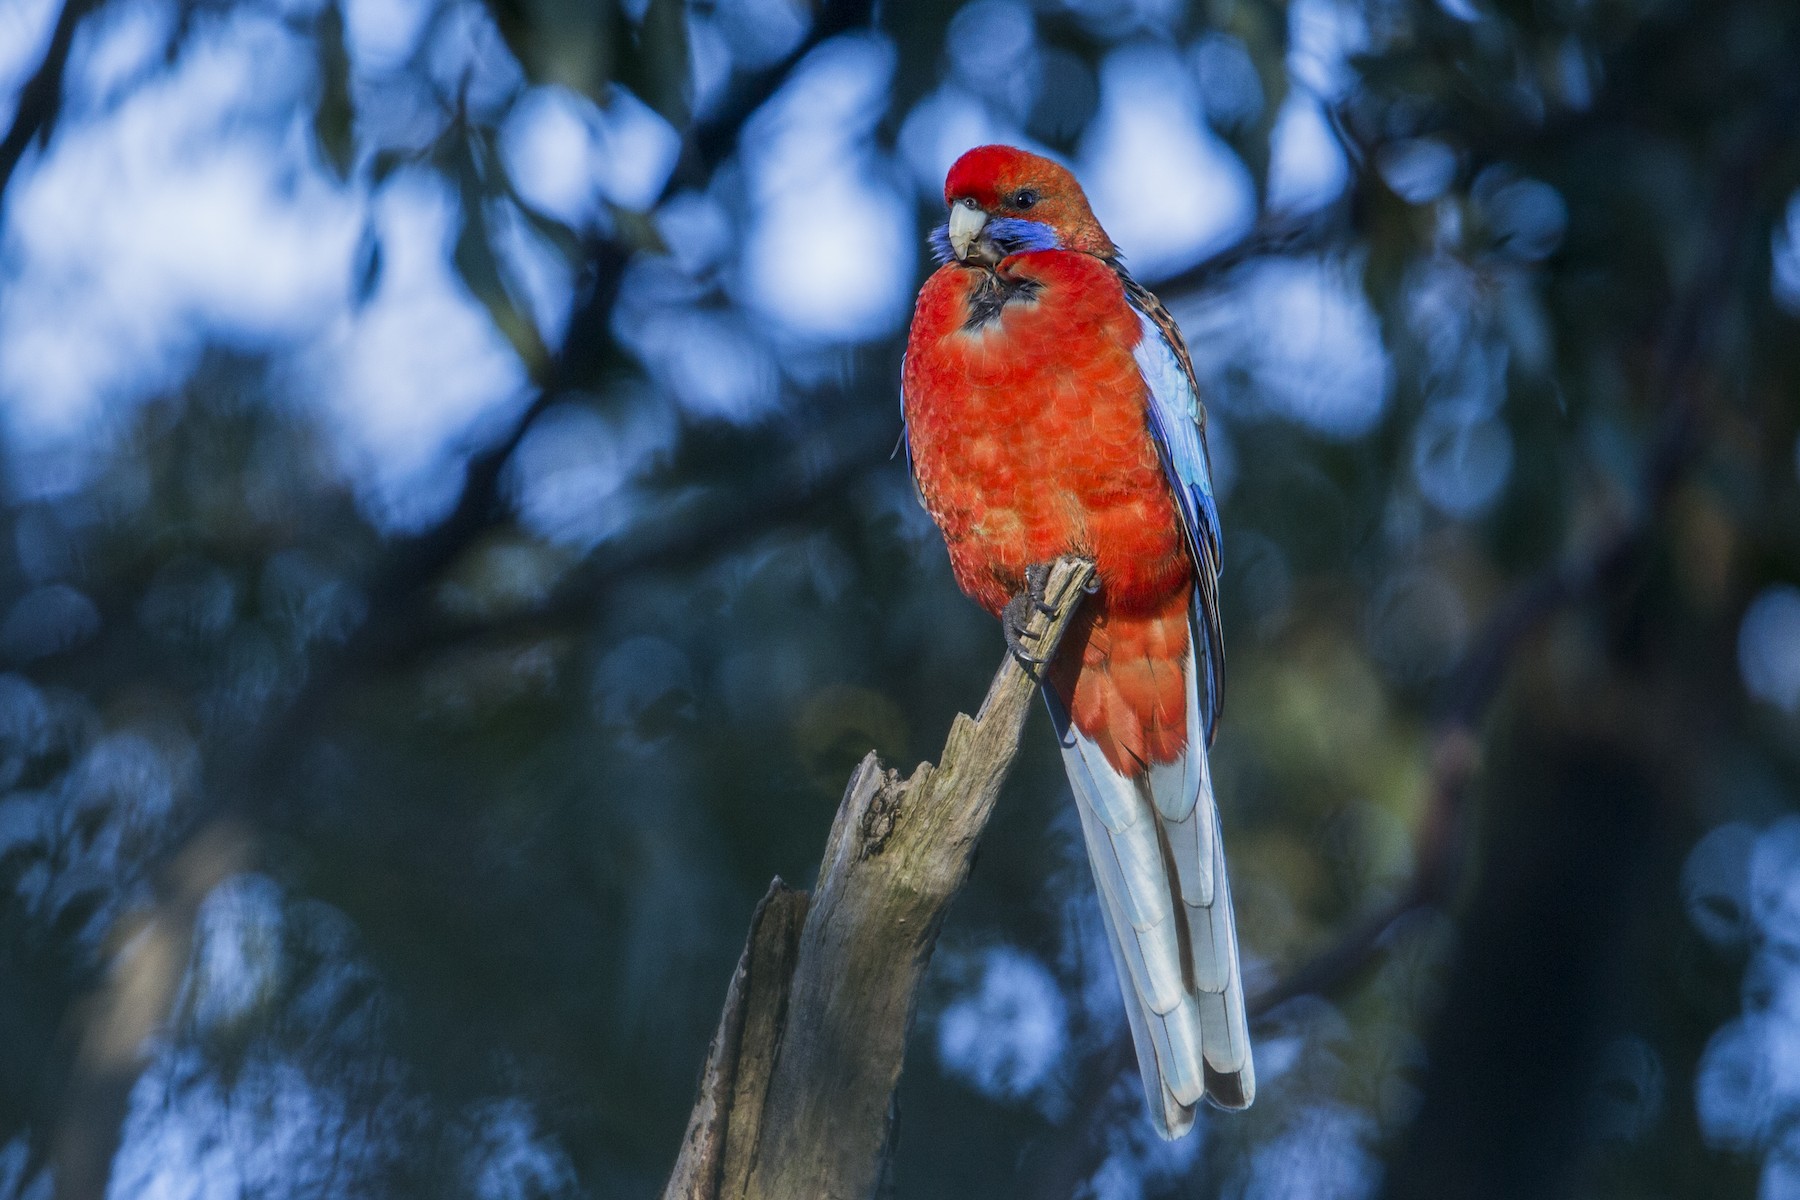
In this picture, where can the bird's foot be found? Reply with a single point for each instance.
(1013, 619)
(1018, 613)
(1037, 582)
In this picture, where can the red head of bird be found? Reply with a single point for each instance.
(1003, 200)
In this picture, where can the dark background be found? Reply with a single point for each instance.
(451, 560)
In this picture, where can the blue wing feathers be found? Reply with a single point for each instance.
(1176, 424)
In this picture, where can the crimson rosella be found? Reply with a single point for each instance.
(1051, 409)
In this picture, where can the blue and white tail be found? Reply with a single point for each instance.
(1153, 843)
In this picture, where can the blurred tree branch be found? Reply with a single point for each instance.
(668, 544)
(1275, 233)
(796, 1098)
(40, 100)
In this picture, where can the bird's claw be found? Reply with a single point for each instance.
(1037, 581)
(1013, 620)
(1018, 612)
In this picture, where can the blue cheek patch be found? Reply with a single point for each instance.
(940, 244)
(1014, 235)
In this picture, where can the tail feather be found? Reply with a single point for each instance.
(1191, 844)
(1218, 976)
(1176, 786)
(1158, 861)
(1144, 927)
(1171, 1114)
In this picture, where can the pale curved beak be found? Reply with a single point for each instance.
(966, 222)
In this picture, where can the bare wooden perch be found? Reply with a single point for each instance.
(796, 1098)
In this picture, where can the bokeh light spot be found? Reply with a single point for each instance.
(1165, 187)
(1007, 1035)
(1715, 884)
(830, 251)
(1418, 170)
(1461, 458)
(1769, 646)
(47, 620)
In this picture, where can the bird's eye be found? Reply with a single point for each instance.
(1024, 198)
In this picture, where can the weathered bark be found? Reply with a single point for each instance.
(717, 1151)
(796, 1097)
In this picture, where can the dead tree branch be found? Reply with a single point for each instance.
(796, 1098)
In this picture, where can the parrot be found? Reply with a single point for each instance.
(1050, 408)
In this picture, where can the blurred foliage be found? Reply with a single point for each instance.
(352, 853)
(590, 46)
